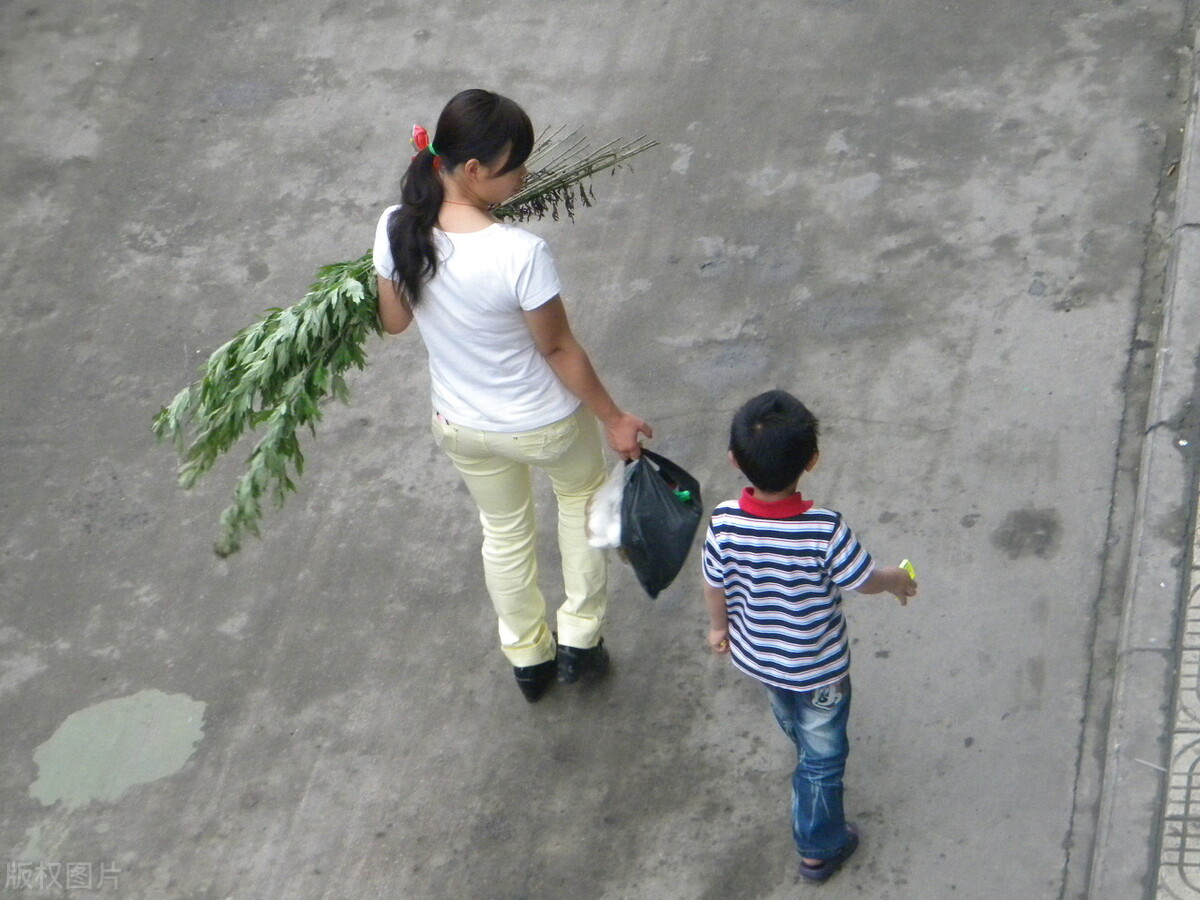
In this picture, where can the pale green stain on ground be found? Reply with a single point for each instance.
(100, 752)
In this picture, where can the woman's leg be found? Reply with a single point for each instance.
(576, 476)
(501, 489)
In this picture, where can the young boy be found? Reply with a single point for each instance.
(774, 568)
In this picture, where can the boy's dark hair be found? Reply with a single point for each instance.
(773, 439)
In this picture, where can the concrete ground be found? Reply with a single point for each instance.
(945, 226)
(1168, 467)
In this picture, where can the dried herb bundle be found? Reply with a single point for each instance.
(277, 373)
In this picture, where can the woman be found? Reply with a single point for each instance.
(512, 387)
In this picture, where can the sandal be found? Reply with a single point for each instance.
(826, 868)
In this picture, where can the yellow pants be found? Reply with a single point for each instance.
(496, 466)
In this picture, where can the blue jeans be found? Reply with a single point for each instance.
(816, 723)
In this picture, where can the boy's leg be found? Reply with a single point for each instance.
(501, 489)
(816, 723)
(576, 474)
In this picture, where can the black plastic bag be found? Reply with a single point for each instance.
(660, 512)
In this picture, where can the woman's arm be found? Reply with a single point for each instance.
(552, 334)
(395, 315)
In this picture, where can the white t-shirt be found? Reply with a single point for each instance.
(485, 368)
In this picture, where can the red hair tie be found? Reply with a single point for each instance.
(420, 141)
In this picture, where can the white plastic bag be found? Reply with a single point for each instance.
(604, 511)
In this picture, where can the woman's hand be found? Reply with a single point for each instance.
(622, 432)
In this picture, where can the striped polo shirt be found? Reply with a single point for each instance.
(782, 566)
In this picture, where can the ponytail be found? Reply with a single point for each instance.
(410, 228)
(475, 124)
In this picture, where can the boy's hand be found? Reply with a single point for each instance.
(718, 619)
(907, 582)
(718, 640)
(893, 580)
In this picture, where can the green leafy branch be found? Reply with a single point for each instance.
(275, 374)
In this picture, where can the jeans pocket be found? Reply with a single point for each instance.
(444, 434)
(548, 443)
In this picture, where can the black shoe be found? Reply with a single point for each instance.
(534, 681)
(574, 663)
(826, 869)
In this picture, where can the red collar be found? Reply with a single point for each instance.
(787, 508)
